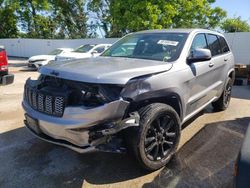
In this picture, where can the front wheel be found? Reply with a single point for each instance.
(223, 102)
(158, 136)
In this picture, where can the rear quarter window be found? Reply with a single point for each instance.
(224, 45)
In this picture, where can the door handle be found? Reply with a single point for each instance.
(211, 64)
(225, 59)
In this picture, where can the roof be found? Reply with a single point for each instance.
(175, 30)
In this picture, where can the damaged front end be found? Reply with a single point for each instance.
(81, 116)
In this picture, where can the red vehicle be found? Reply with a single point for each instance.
(5, 77)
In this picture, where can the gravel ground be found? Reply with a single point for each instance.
(208, 148)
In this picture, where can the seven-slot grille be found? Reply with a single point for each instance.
(49, 104)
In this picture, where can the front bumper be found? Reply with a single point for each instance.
(7, 79)
(81, 129)
(32, 66)
(36, 64)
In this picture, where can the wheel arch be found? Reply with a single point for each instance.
(231, 74)
(170, 98)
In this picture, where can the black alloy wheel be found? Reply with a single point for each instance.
(227, 94)
(223, 102)
(155, 141)
(160, 138)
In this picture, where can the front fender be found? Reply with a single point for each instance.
(170, 96)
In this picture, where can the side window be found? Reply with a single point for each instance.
(223, 44)
(214, 44)
(199, 42)
(100, 49)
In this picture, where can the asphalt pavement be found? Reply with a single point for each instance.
(208, 148)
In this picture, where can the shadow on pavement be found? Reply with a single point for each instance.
(28, 161)
(207, 160)
(241, 92)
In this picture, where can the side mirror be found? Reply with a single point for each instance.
(199, 55)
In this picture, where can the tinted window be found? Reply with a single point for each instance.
(199, 42)
(224, 46)
(214, 44)
(85, 48)
(100, 49)
(55, 52)
(153, 46)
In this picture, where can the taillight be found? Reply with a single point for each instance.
(3, 60)
(3, 68)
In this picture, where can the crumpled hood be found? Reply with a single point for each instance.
(109, 70)
(42, 57)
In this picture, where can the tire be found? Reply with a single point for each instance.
(156, 140)
(223, 102)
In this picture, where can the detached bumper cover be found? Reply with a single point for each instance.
(7, 79)
(73, 129)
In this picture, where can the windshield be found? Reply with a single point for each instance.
(55, 52)
(84, 48)
(152, 46)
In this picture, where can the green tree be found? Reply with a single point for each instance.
(34, 18)
(70, 18)
(52, 18)
(118, 17)
(8, 20)
(235, 25)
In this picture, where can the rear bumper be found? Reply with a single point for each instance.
(7, 79)
(80, 129)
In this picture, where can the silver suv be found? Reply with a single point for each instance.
(135, 96)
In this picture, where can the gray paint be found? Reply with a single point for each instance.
(195, 85)
(110, 70)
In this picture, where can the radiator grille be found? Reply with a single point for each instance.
(45, 103)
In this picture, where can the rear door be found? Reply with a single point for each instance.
(218, 62)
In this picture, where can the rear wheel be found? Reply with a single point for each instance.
(223, 102)
(157, 138)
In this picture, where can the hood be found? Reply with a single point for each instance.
(109, 70)
(42, 57)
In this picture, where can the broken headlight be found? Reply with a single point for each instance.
(95, 95)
